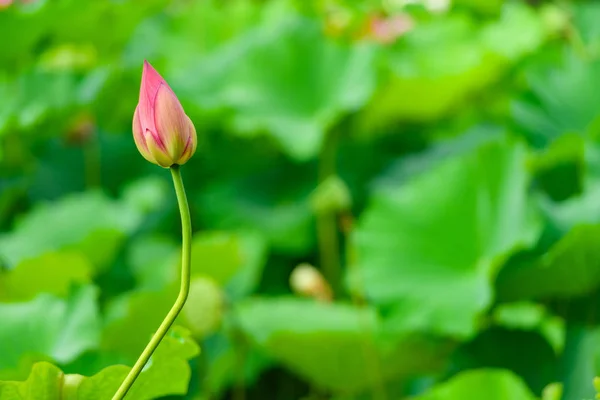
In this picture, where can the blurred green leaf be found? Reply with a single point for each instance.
(71, 220)
(312, 81)
(518, 32)
(430, 255)
(580, 362)
(147, 194)
(585, 16)
(421, 88)
(132, 319)
(489, 384)
(52, 273)
(282, 215)
(532, 316)
(229, 361)
(152, 259)
(563, 99)
(49, 326)
(233, 260)
(315, 339)
(559, 167)
(571, 267)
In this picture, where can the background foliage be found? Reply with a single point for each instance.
(438, 163)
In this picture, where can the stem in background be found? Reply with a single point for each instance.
(186, 230)
(91, 156)
(239, 389)
(327, 230)
(368, 347)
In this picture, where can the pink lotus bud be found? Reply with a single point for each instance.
(163, 133)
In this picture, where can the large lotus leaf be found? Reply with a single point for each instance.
(563, 99)
(579, 363)
(489, 384)
(199, 28)
(310, 82)
(132, 319)
(225, 360)
(167, 373)
(68, 22)
(421, 88)
(48, 326)
(40, 95)
(234, 260)
(335, 346)
(585, 17)
(532, 316)
(273, 205)
(52, 273)
(428, 249)
(153, 261)
(71, 223)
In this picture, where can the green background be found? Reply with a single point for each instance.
(438, 162)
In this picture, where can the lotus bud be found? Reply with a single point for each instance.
(163, 133)
(307, 281)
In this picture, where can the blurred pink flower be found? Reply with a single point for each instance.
(387, 30)
(163, 133)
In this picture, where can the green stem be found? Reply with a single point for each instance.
(186, 229)
(327, 230)
(92, 167)
(370, 353)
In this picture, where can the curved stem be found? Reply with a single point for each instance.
(186, 230)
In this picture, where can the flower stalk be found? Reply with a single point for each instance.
(186, 233)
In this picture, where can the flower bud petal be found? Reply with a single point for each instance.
(157, 151)
(138, 137)
(172, 125)
(190, 147)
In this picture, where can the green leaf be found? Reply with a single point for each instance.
(75, 218)
(580, 362)
(52, 273)
(532, 316)
(585, 16)
(420, 88)
(489, 384)
(518, 32)
(153, 261)
(49, 326)
(132, 319)
(312, 81)
(563, 99)
(279, 210)
(226, 360)
(571, 267)
(314, 339)
(559, 167)
(429, 255)
(233, 260)
(44, 383)
(147, 194)
(167, 373)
